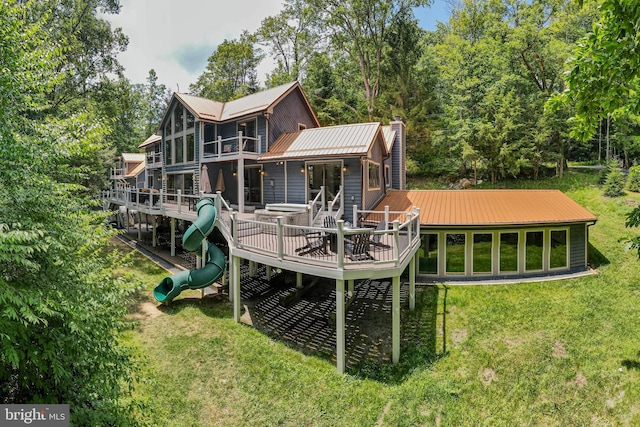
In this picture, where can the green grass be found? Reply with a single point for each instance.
(548, 353)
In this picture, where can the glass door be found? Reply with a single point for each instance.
(328, 175)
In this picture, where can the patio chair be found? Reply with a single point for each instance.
(358, 248)
(375, 239)
(316, 242)
(332, 237)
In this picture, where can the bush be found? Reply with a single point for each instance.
(633, 183)
(615, 182)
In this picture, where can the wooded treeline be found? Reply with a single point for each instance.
(483, 95)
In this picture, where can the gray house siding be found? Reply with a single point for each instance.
(288, 113)
(373, 195)
(577, 249)
(274, 173)
(352, 187)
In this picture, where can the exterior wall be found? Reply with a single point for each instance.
(274, 173)
(399, 157)
(373, 195)
(576, 257)
(352, 183)
(287, 114)
(578, 251)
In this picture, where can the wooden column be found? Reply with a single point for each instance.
(139, 226)
(154, 222)
(268, 272)
(340, 339)
(412, 283)
(299, 280)
(350, 288)
(235, 284)
(395, 312)
(173, 237)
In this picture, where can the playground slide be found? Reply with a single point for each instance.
(170, 287)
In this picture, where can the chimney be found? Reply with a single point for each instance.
(399, 155)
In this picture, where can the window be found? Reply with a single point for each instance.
(191, 147)
(188, 183)
(171, 184)
(374, 175)
(534, 250)
(167, 128)
(178, 118)
(558, 251)
(253, 185)
(428, 263)
(482, 253)
(190, 120)
(302, 126)
(179, 150)
(508, 252)
(455, 253)
(169, 148)
(387, 175)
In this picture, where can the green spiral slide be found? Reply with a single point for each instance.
(170, 287)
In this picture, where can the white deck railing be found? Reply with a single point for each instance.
(233, 146)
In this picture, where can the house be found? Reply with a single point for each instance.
(331, 202)
(129, 171)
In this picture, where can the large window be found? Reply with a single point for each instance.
(508, 252)
(374, 175)
(482, 253)
(558, 250)
(429, 254)
(253, 184)
(534, 250)
(180, 146)
(455, 253)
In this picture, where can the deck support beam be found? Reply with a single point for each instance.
(340, 339)
(154, 223)
(235, 284)
(268, 272)
(350, 288)
(139, 226)
(299, 280)
(252, 269)
(412, 284)
(395, 312)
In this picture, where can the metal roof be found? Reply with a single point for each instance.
(207, 109)
(332, 141)
(151, 140)
(132, 157)
(487, 207)
(136, 170)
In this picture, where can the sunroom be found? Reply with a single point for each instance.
(497, 234)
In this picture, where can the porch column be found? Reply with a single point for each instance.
(268, 272)
(412, 283)
(299, 280)
(240, 177)
(350, 288)
(252, 269)
(340, 341)
(139, 226)
(173, 237)
(235, 284)
(395, 312)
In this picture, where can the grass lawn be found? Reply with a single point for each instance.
(550, 353)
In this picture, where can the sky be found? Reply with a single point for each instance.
(177, 44)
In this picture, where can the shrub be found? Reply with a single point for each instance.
(615, 182)
(633, 183)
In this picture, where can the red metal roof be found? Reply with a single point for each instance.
(488, 207)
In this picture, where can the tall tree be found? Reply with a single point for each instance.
(290, 39)
(231, 71)
(62, 307)
(359, 29)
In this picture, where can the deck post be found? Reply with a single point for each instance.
(179, 193)
(139, 226)
(412, 283)
(340, 255)
(268, 272)
(299, 280)
(280, 240)
(386, 214)
(350, 288)
(396, 241)
(340, 341)
(355, 221)
(395, 312)
(252, 268)
(240, 178)
(235, 293)
(154, 223)
(173, 236)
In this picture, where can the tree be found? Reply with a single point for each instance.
(290, 40)
(231, 71)
(156, 99)
(359, 29)
(603, 78)
(62, 308)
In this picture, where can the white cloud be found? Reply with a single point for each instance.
(175, 38)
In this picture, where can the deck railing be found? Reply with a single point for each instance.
(333, 247)
(154, 159)
(233, 146)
